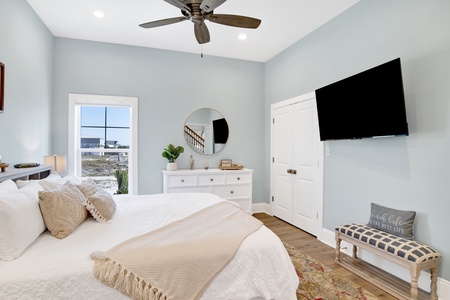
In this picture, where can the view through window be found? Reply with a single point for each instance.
(105, 141)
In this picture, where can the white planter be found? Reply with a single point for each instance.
(172, 166)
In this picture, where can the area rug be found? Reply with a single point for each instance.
(318, 282)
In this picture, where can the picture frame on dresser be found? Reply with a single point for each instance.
(226, 163)
(2, 86)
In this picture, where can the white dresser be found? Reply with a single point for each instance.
(235, 185)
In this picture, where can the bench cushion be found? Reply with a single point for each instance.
(395, 245)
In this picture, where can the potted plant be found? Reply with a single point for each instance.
(171, 153)
(122, 181)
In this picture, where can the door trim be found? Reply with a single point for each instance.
(320, 158)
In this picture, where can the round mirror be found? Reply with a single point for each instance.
(206, 131)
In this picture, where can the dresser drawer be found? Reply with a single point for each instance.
(181, 180)
(189, 189)
(238, 178)
(230, 192)
(206, 179)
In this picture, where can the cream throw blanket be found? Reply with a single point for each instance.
(179, 260)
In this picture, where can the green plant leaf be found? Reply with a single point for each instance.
(171, 152)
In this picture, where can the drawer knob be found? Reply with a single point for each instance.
(232, 192)
(212, 179)
(239, 178)
(182, 180)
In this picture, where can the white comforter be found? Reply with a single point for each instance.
(61, 269)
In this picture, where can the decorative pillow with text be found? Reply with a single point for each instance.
(398, 222)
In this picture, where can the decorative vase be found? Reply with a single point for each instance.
(172, 166)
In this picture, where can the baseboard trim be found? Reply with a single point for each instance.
(327, 237)
(261, 208)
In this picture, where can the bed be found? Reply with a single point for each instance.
(51, 268)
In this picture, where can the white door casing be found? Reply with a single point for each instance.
(298, 195)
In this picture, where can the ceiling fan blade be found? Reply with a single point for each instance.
(209, 5)
(179, 4)
(234, 20)
(163, 22)
(201, 33)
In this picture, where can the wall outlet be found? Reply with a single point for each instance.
(327, 150)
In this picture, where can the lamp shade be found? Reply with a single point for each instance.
(57, 161)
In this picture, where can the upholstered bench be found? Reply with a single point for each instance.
(408, 253)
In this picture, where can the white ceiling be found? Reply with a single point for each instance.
(283, 23)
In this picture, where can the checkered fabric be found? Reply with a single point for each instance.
(395, 245)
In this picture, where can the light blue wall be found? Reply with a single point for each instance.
(170, 85)
(409, 173)
(26, 49)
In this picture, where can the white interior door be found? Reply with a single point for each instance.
(297, 164)
(282, 148)
(306, 142)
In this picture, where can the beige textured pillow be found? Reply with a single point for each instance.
(101, 205)
(87, 187)
(62, 209)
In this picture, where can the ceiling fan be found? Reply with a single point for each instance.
(198, 11)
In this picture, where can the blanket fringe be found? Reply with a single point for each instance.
(116, 276)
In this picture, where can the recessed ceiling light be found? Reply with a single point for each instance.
(242, 36)
(99, 14)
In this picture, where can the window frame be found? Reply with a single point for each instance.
(74, 135)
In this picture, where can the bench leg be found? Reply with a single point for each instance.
(355, 252)
(434, 276)
(338, 248)
(415, 273)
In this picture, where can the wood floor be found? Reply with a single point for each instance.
(308, 244)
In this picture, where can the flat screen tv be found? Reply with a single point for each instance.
(366, 105)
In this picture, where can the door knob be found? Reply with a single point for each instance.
(293, 171)
(289, 171)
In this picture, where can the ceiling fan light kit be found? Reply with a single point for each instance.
(198, 11)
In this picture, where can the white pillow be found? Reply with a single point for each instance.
(7, 186)
(72, 179)
(52, 183)
(53, 177)
(21, 220)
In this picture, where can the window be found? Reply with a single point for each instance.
(103, 141)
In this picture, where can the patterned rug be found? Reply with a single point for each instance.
(318, 282)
